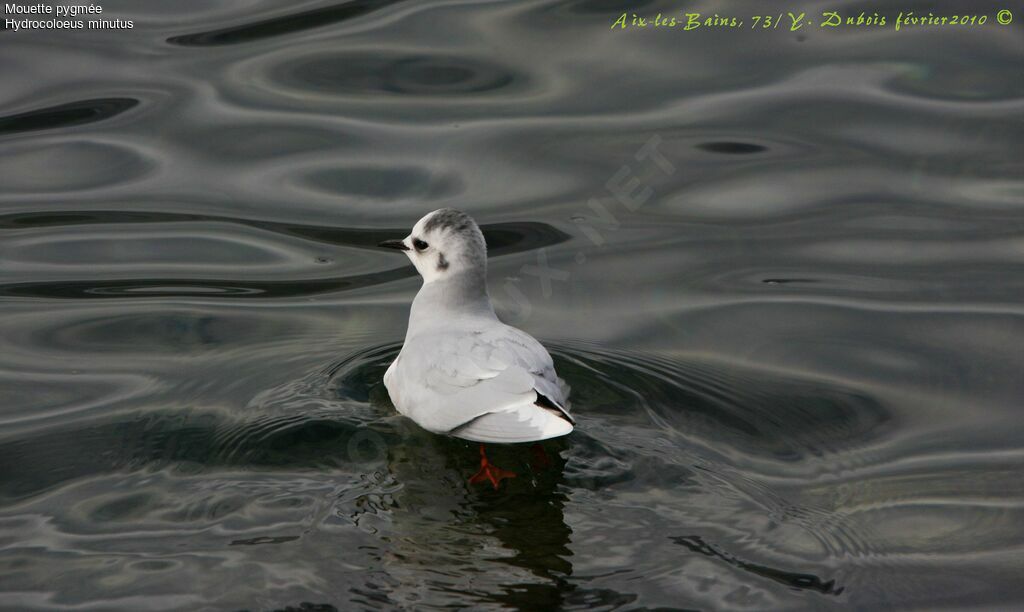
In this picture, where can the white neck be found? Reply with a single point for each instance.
(456, 297)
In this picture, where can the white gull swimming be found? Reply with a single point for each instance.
(461, 371)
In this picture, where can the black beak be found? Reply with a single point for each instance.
(394, 244)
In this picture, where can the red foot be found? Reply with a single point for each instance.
(489, 472)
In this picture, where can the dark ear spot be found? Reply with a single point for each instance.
(442, 263)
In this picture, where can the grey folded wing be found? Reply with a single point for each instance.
(448, 382)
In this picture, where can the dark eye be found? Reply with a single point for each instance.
(419, 244)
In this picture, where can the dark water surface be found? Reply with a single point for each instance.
(795, 351)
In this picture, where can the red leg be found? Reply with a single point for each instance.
(539, 458)
(489, 472)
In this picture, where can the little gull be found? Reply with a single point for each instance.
(461, 371)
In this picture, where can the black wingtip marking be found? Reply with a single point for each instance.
(545, 402)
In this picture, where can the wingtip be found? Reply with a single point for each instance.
(546, 402)
(510, 427)
(554, 428)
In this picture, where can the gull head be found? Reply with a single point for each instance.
(444, 243)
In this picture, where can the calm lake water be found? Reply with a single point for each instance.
(782, 271)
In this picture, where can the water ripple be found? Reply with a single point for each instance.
(283, 25)
(97, 249)
(70, 166)
(375, 74)
(791, 579)
(327, 461)
(71, 114)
